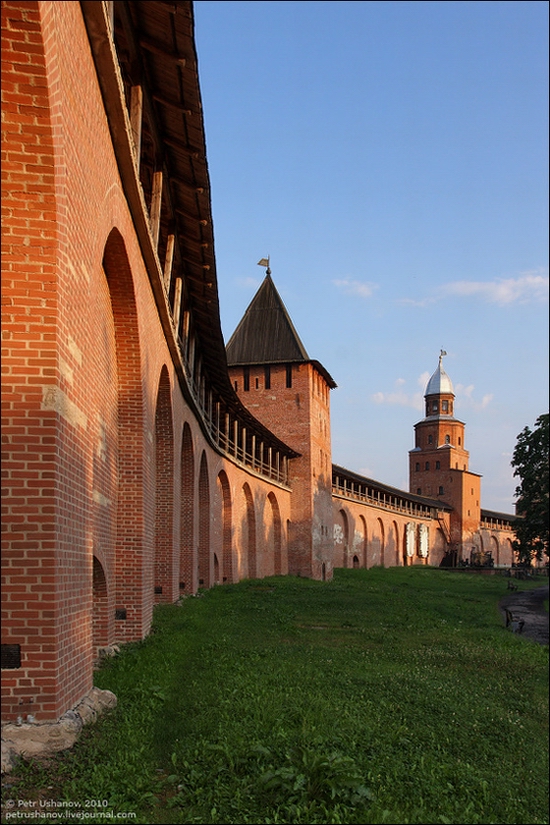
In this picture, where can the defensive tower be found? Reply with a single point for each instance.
(290, 394)
(438, 465)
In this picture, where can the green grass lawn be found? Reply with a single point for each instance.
(384, 696)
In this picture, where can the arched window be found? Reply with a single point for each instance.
(447, 439)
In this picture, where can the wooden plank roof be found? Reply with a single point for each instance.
(266, 334)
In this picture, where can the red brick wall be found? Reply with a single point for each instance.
(102, 454)
(375, 536)
(29, 363)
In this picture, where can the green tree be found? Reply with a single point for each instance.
(530, 460)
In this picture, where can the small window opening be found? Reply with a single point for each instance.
(430, 439)
(441, 491)
(289, 376)
(419, 491)
(438, 465)
(267, 374)
(246, 379)
(447, 439)
(427, 465)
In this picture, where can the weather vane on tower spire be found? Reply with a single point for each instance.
(441, 354)
(265, 262)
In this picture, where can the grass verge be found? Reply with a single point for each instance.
(384, 696)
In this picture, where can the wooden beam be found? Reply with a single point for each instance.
(136, 118)
(177, 304)
(168, 262)
(155, 47)
(156, 205)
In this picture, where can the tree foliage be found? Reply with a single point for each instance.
(530, 461)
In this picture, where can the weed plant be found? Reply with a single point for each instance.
(383, 696)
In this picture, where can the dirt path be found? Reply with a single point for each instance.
(528, 605)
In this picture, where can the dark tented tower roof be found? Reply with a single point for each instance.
(266, 335)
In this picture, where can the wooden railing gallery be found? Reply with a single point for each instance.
(130, 106)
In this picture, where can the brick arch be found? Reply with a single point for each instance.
(100, 607)
(438, 549)
(227, 527)
(507, 554)
(166, 560)
(249, 533)
(204, 524)
(188, 563)
(277, 542)
(494, 548)
(364, 541)
(377, 543)
(133, 550)
(395, 536)
(341, 537)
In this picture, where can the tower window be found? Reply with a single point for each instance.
(288, 375)
(459, 442)
(427, 465)
(417, 466)
(246, 379)
(236, 386)
(419, 491)
(441, 491)
(438, 465)
(430, 439)
(447, 439)
(267, 375)
(445, 406)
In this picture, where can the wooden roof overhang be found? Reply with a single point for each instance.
(156, 50)
(433, 504)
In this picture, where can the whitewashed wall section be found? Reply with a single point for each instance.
(411, 538)
(423, 535)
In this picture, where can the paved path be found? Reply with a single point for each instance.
(528, 605)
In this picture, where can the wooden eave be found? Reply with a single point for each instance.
(393, 491)
(160, 56)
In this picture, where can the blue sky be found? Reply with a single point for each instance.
(392, 160)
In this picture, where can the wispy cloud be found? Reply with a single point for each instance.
(400, 397)
(467, 395)
(362, 288)
(531, 285)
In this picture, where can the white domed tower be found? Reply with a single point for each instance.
(438, 465)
